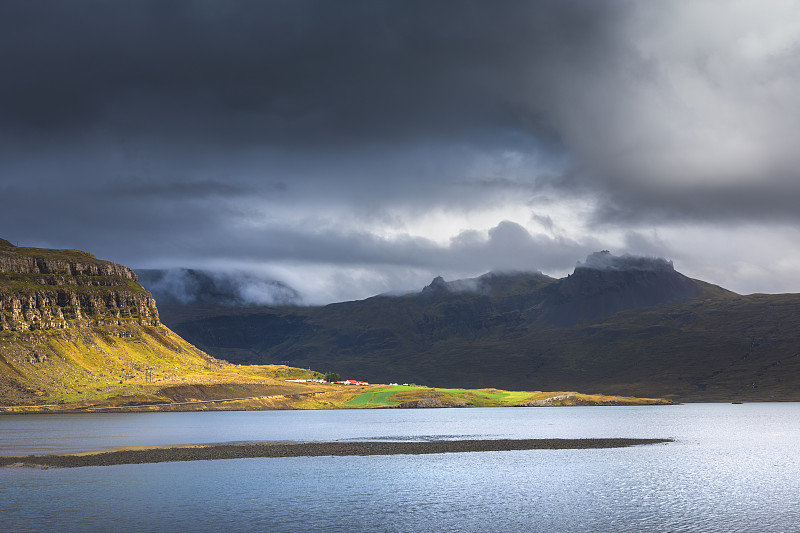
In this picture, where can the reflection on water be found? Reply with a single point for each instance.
(732, 468)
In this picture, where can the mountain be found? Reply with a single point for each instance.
(62, 289)
(80, 331)
(606, 284)
(616, 325)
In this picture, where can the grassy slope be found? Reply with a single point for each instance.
(116, 366)
(391, 396)
(119, 365)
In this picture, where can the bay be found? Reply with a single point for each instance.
(731, 468)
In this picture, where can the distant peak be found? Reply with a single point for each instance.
(5, 244)
(605, 260)
(438, 281)
(438, 285)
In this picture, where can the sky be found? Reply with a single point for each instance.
(349, 148)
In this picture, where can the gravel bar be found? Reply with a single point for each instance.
(208, 452)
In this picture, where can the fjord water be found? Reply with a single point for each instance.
(731, 468)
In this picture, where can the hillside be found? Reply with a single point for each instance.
(616, 325)
(80, 333)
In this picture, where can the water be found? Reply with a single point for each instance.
(731, 468)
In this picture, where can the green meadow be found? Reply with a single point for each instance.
(393, 396)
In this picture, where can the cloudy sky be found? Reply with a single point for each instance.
(349, 147)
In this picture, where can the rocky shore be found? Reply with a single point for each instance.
(208, 452)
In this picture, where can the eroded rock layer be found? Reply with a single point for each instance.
(43, 289)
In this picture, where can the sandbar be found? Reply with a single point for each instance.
(210, 452)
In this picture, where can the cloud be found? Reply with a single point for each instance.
(185, 286)
(694, 120)
(411, 138)
(644, 102)
(289, 73)
(605, 260)
(332, 266)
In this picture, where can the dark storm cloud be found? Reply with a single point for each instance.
(568, 79)
(297, 130)
(140, 187)
(134, 186)
(755, 201)
(296, 73)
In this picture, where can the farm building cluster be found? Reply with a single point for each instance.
(343, 382)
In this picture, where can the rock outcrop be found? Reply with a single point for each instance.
(42, 289)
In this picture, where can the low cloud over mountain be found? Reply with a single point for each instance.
(188, 286)
(606, 261)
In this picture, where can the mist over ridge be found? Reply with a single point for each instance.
(604, 260)
(186, 286)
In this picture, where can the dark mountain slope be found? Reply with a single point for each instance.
(605, 285)
(616, 325)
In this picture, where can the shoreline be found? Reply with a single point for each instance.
(208, 452)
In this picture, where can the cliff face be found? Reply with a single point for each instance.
(43, 289)
(77, 330)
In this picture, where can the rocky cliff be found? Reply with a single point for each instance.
(77, 331)
(42, 289)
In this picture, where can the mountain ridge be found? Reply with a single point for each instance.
(81, 334)
(642, 330)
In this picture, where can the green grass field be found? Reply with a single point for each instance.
(395, 395)
(390, 396)
(381, 397)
